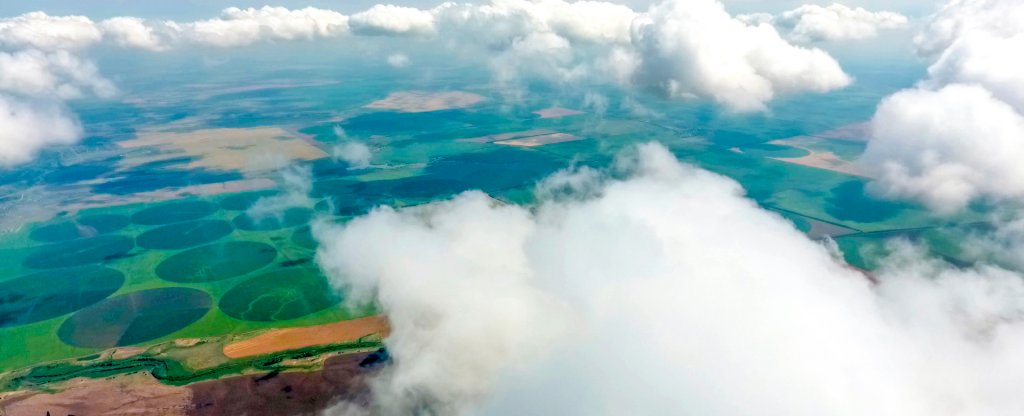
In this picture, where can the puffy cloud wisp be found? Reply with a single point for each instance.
(696, 49)
(814, 23)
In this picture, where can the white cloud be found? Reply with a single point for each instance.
(1002, 246)
(957, 18)
(357, 154)
(390, 20)
(666, 292)
(947, 147)
(29, 126)
(398, 60)
(58, 74)
(696, 49)
(133, 32)
(587, 21)
(239, 27)
(499, 23)
(351, 151)
(958, 135)
(813, 23)
(678, 48)
(984, 59)
(38, 30)
(297, 182)
(39, 69)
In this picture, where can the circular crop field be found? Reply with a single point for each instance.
(303, 237)
(184, 234)
(174, 212)
(242, 201)
(216, 262)
(291, 217)
(79, 252)
(84, 227)
(49, 294)
(135, 317)
(279, 295)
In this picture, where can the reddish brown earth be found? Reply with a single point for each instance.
(296, 393)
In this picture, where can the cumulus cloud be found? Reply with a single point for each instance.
(983, 59)
(38, 30)
(660, 289)
(238, 27)
(57, 74)
(696, 49)
(500, 23)
(393, 20)
(947, 147)
(29, 126)
(959, 18)
(947, 141)
(677, 48)
(814, 23)
(33, 87)
(133, 32)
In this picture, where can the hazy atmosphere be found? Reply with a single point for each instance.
(696, 207)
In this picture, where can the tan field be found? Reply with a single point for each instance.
(526, 138)
(301, 337)
(221, 149)
(534, 141)
(105, 200)
(816, 159)
(424, 101)
(301, 392)
(491, 138)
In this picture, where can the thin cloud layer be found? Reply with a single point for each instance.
(355, 153)
(34, 84)
(958, 135)
(39, 69)
(29, 126)
(665, 292)
(51, 75)
(814, 23)
(296, 182)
